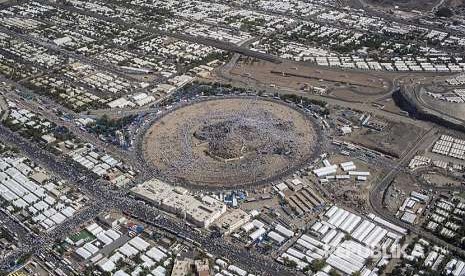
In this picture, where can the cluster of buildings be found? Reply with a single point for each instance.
(446, 218)
(24, 119)
(254, 230)
(280, 234)
(299, 195)
(189, 266)
(102, 164)
(223, 268)
(232, 221)
(252, 21)
(68, 39)
(80, 86)
(134, 63)
(112, 244)
(217, 20)
(349, 121)
(454, 267)
(257, 231)
(33, 197)
(421, 161)
(237, 24)
(121, 250)
(76, 98)
(345, 241)
(323, 57)
(218, 33)
(86, 246)
(8, 66)
(159, 92)
(201, 211)
(21, 23)
(329, 172)
(185, 53)
(348, 147)
(456, 80)
(450, 146)
(455, 96)
(85, 85)
(33, 53)
(7, 242)
(97, 79)
(412, 207)
(432, 257)
(297, 7)
(355, 34)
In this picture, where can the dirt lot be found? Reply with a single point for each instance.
(229, 142)
(401, 188)
(393, 140)
(351, 193)
(353, 94)
(351, 85)
(406, 4)
(390, 106)
(440, 180)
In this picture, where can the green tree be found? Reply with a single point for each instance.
(317, 265)
(444, 12)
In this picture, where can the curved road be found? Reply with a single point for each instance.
(378, 192)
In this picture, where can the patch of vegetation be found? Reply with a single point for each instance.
(289, 263)
(317, 265)
(444, 12)
(106, 126)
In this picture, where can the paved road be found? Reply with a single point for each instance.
(378, 192)
(416, 93)
(365, 107)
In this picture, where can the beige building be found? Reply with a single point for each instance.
(202, 267)
(232, 220)
(182, 268)
(201, 211)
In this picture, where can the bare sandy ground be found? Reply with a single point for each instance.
(170, 144)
